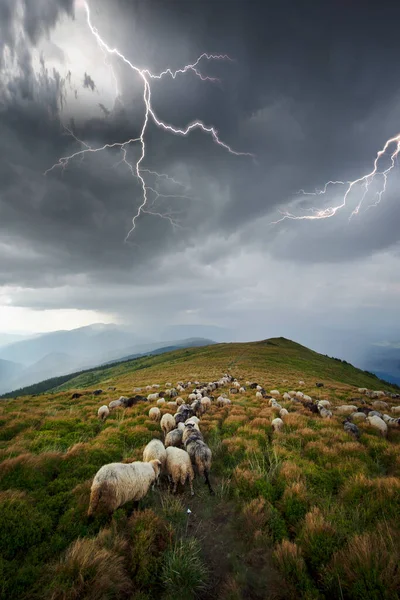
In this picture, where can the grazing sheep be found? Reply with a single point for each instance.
(193, 419)
(346, 409)
(275, 393)
(103, 412)
(137, 389)
(233, 391)
(174, 437)
(200, 454)
(380, 405)
(358, 416)
(206, 402)
(319, 384)
(117, 483)
(299, 395)
(301, 383)
(277, 424)
(115, 404)
(179, 400)
(172, 405)
(192, 396)
(168, 384)
(378, 423)
(292, 393)
(312, 407)
(352, 429)
(97, 392)
(324, 412)
(221, 401)
(258, 388)
(324, 403)
(286, 396)
(167, 423)
(155, 386)
(283, 412)
(307, 398)
(161, 401)
(362, 390)
(242, 390)
(152, 397)
(396, 410)
(155, 413)
(179, 467)
(390, 422)
(155, 450)
(259, 395)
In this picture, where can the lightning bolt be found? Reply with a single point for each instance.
(365, 182)
(137, 170)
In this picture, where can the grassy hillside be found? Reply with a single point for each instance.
(253, 360)
(308, 513)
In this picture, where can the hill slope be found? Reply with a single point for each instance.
(279, 356)
(307, 513)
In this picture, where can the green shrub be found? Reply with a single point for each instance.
(184, 574)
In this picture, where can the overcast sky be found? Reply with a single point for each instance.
(313, 92)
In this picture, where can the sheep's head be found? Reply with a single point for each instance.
(156, 464)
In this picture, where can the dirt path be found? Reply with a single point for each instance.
(237, 569)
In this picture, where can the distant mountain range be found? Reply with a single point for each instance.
(29, 361)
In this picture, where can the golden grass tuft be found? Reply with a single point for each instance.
(259, 422)
(291, 472)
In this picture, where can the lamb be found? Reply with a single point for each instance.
(155, 413)
(117, 483)
(200, 454)
(174, 437)
(103, 412)
(352, 429)
(167, 423)
(179, 467)
(155, 450)
(378, 423)
(277, 424)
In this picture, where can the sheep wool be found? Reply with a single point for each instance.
(155, 450)
(378, 423)
(277, 424)
(155, 413)
(117, 483)
(103, 412)
(167, 423)
(174, 437)
(179, 467)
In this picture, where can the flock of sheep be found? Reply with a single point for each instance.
(184, 447)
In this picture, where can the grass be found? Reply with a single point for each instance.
(309, 501)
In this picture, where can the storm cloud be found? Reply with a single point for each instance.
(311, 92)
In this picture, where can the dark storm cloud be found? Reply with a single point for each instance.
(313, 94)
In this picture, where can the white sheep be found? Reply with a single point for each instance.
(117, 483)
(179, 400)
(173, 405)
(155, 413)
(379, 424)
(277, 424)
(206, 402)
(115, 404)
(286, 396)
(283, 412)
(396, 410)
(380, 405)
(346, 409)
(103, 412)
(192, 397)
(155, 386)
(301, 383)
(168, 384)
(275, 393)
(358, 416)
(148, 388)
(155, 450)
(324, 412)
(292, 393)
(193, 419)
(324, 403)
(259, 395)
(299, 395)
(307, 398)
(152, 397)
(362, 390)
(179, 467)
(259, 388)
(167, 423)
(242, 390)
(161, 401)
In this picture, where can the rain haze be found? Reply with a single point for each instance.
(309, 94)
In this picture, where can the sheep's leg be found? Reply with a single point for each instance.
(175, 486)
(191, 487)
(136, 505)
(208, 483)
